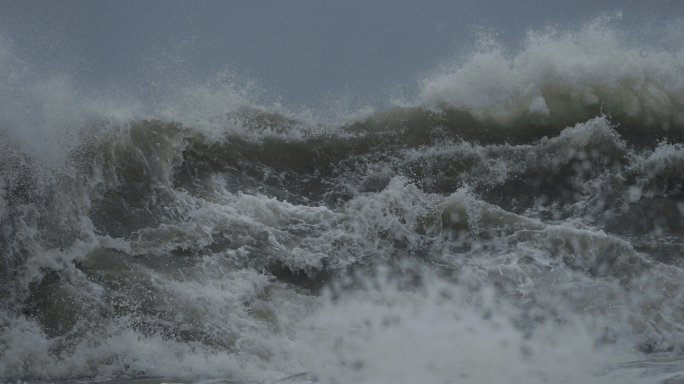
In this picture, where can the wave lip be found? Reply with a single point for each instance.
(565, 75)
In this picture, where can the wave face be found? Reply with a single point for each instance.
(521, 221)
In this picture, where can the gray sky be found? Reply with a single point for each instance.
(299, 51)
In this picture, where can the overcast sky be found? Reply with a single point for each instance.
(300, 51)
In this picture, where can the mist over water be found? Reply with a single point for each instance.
(513, 214)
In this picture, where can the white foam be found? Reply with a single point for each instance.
(454, 330)
(582, 67)
(557, 314)
(444, 334)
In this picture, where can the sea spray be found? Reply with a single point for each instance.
(521, 220)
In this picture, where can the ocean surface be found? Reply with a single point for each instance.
(519, 220)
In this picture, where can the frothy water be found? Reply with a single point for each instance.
(520, 221)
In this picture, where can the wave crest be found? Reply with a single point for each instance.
(561, 76)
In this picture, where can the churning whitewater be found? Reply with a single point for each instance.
(520, 220)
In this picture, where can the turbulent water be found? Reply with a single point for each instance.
(521, 220)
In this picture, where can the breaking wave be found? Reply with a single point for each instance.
(522, 220)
